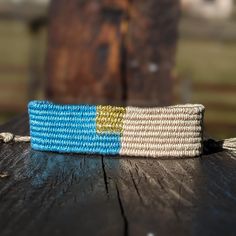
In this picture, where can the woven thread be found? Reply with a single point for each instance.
(174, 131)
(162, 131)
(110, 119)
(7, 137)
(68, 128)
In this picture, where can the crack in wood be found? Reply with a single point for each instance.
(176, 214)
(125, 220)
(161, 185)
(105, 176)
(136, 187)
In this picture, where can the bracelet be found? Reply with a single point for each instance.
(173, 131)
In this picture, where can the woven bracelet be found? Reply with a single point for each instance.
(174, 131)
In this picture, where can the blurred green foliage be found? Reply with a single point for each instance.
(16, 45)
(203, 59)
(207, 60)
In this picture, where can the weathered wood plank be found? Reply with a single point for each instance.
(50, 193)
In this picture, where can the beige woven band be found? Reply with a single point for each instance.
(174, 131)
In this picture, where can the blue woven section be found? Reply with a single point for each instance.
(68, 128)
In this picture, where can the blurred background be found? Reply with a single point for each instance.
(204, 70)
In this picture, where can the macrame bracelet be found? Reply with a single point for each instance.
(174, 131)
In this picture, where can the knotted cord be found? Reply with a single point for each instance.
(7, 137)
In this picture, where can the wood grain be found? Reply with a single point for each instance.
(151, 43)
(84, 51)
(112, 51)
(55, 194)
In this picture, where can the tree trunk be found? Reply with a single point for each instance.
(112, 51)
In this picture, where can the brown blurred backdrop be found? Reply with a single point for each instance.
(202, 70)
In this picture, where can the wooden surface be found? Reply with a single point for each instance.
(56, 194)
(112, 51)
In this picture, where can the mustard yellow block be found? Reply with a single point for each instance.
(110, 119)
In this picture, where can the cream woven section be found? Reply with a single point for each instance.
(174, 131)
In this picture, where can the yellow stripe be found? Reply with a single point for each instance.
(110, 119)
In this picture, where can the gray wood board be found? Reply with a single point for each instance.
(55, 194)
